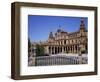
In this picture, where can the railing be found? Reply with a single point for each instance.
(59, 60)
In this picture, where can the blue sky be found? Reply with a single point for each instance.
(39, 27)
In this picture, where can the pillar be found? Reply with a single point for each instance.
(69, 49)
(62, 49)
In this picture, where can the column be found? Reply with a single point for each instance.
(62, 49)
(47, 50)
(65, 49)
(69, 49)
(63, 42)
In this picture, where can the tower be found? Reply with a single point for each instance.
(82, 34)
(51, 38)
(51, 35)
(82, 25)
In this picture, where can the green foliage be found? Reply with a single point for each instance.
(83, 51)
(39, 50)
(29, 46)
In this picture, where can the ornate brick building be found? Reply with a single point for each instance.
(65, 42)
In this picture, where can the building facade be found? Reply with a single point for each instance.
(65, 42)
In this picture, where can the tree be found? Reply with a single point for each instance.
(39, 50)
(29, 46)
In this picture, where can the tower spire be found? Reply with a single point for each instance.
(59, 29)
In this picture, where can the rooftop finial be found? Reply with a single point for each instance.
(59, 29)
